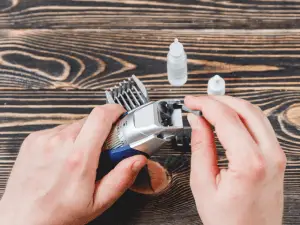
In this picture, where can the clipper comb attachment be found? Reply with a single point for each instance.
(130, 93)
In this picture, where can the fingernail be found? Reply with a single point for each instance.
(194, 121)
(137, 166)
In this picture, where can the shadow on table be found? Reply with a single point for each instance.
(123, 211)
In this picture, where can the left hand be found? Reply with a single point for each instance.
(53, 180)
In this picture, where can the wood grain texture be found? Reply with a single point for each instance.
(160, 14)
(91, 59)
(58, 56)
(24, 111)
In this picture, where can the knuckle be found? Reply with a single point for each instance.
(258, 169)
(74, 161)
(56, 140)
(281, 161)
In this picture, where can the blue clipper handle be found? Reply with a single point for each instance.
(110, 158)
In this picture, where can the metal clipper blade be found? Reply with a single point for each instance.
(129, 93)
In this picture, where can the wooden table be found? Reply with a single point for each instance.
(58, 56)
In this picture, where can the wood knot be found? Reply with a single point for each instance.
(292, 114)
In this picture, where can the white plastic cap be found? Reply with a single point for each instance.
(176, 48)
(216, 86)
(177, 64)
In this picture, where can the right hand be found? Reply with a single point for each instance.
(250, 191)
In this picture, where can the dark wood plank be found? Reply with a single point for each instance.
(166, 14)
(24, 111)
(90, 59)
(260, 66)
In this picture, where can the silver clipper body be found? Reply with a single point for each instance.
(147, 127)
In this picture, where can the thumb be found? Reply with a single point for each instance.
(113, 185)
(204, 167)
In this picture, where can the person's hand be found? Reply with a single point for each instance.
(53, 180)
(250, 191)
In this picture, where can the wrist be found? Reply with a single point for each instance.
(10, 215)
(4, 214)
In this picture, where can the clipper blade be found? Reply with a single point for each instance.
(130, 94)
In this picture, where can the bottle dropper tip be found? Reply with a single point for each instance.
(216, 86)
(217, 78)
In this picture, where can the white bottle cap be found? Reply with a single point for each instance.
(176, 48)
(216, 86)
(177, 64)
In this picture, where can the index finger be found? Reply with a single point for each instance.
(96, 129)
(233, 135)
(256, 122)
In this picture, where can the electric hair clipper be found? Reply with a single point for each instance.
(144, 129)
